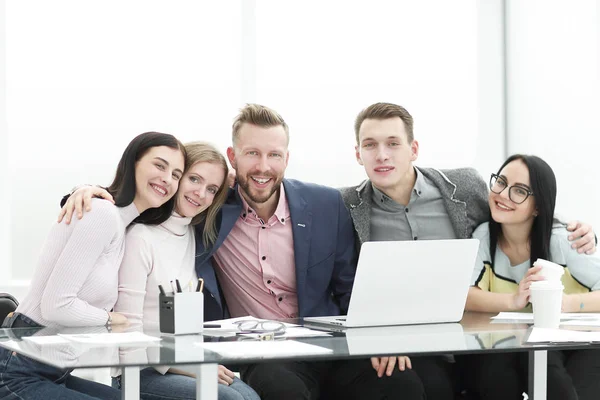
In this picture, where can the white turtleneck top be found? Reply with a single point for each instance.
(155, 255)
(75, 282)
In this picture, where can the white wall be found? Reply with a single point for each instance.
(553, 95)
(491, 83)
(84, 78)
(5, 269)
(321, 68)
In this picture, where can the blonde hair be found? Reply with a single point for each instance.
(258, 115)
(198, 152)
(385, 111)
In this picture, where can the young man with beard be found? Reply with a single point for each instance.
(402, 202)
(286, 249)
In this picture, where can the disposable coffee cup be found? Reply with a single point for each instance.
(550, 271)
(546, 298)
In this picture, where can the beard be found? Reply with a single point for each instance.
(259, 198)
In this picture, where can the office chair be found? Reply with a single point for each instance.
(8, 304)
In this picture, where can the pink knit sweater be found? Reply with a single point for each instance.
(76, 280)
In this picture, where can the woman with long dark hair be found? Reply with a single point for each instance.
(522, 200)
(158, 254)
(76, 280)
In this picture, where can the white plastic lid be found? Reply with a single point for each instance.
(550, 265)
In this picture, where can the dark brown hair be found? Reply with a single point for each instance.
(123, 187)
(385, 111)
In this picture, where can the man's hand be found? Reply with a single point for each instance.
(225, 376)
(582, 236)
(386, 364)
(82, 199)
(231, 178)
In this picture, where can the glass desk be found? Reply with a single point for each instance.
(474, 334)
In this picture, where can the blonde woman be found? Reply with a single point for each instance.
(157, 255)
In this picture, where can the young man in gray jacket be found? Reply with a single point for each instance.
(400, 201)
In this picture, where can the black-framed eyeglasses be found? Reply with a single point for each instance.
(516, 193)
(253, 326)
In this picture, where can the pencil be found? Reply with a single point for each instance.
(200, 286)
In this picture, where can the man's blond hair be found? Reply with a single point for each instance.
(385, 111)
(258, 115)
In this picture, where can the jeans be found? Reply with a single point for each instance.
(155, 386)
(24, 378)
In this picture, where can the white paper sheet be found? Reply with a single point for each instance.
(580, 316)
(11, 344)
(46, 340)
(263, 349)
(528, 317)
(545, 335)
(127, 338)
(215, 332)
(293, 332)
(514, 316)
(581, 322)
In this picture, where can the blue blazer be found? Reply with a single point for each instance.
(324, 250)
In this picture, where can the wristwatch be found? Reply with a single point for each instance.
(109, 321)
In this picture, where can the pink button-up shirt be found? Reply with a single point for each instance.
(256, 267)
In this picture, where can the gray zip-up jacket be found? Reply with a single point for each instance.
(465, 196)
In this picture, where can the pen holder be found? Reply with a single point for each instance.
(181, 313)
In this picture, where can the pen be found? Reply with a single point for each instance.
(212, 325)
(162, 291)
(200, 286)
(173, 287)
(178, 285)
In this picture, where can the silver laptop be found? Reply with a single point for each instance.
(409, 282)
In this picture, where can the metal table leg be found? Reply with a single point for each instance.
(538, 374)
(130, 383)
(207, 381)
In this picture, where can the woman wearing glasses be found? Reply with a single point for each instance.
(521, 230)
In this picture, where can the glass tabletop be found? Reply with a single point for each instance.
(91, 347)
